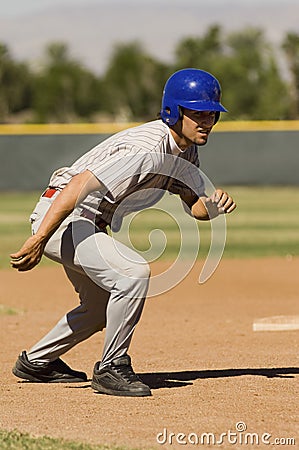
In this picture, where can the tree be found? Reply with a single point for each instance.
(290, 46)
(134, 82)
(251, 79)
(15, 85)
(65, 90)
(201, 52)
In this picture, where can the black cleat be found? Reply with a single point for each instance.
(118, 378)
(53, 372)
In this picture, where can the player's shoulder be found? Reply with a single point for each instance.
(147, 137)
(155, 129)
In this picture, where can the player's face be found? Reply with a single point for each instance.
(197, 125)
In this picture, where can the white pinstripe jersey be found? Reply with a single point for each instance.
(136, 165)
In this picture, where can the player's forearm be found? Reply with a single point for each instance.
(77, 189)
(62, 206)
(31, 252)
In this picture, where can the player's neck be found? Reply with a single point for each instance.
(181, 141)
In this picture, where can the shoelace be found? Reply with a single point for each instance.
(127, 373)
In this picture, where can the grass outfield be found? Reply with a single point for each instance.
(13, 440)
(264, 224)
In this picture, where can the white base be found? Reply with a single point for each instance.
(276, 323)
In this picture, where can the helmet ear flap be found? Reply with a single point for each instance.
(171, 114)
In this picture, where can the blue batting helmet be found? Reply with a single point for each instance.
(192, 89)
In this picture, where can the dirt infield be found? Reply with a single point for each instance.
(194, 346)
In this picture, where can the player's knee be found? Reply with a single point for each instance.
(142, 271)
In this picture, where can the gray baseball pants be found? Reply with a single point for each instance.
(111, 280)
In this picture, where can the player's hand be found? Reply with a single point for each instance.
(29, 255)
(220, 202)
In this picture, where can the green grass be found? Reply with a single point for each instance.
(8, 311)
(15, 209)
(264, 224)
(14, 440)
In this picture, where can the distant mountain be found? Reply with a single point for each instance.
(92, 31)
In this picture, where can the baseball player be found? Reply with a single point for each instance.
(69, 225)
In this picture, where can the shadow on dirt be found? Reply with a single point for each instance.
(177, 379)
